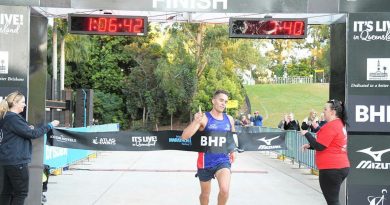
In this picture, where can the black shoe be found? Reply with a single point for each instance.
(240, 150)
(44, 199)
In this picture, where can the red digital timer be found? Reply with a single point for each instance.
(107, 25)
(268, 28)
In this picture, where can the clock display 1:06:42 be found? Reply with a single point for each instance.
(114, 25)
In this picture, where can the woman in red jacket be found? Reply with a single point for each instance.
(331, 151)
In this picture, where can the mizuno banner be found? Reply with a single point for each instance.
(263, 141)
(217, 142)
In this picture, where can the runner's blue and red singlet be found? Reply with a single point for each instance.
(207, 160)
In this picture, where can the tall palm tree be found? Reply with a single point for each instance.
(54, 62)
(73, 48)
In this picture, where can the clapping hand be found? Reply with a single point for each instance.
(55, 123)
(305, 147)
(315, 124)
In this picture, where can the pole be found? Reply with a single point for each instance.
(85, 107)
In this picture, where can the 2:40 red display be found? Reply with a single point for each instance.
(267, 28)
(288, 27)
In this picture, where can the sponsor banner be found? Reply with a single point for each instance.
(262, 141)
(11, 23)
(14, 49)
(370, 159)
(369, 195)
(166, 140)
(368, 98)
(142, 141)
(368, 113)
(368, 57)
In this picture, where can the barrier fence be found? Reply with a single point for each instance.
(294, 141)
(293, 80)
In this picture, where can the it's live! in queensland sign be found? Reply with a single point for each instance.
(368, 107)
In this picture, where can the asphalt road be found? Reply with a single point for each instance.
(167, 178)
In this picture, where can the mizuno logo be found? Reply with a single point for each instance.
(376, 155)
(268, 141)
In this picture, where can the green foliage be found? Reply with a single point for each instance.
(78, 75)
(216, 80)
(142, 89)
(108, 108)
(177, 81)
(319, 48)
(107, 80)
(299, 68)
(284, 52)
(77, 48)
(223, 57)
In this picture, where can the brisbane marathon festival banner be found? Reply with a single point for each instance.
(218, 142)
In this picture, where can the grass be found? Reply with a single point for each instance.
(273, 101)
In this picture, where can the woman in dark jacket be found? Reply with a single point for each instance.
(16, 149)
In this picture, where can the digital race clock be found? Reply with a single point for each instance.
(107, 24)
(267, 28)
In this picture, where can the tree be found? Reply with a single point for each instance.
(223, 56)
(319, 48)
(142, 88)
(285, 51)
(76, 48)
(177, 74)
(107, 108)
(54, 62)
(216, 60)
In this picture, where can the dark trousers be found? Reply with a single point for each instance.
(14, 184)
(330, 182)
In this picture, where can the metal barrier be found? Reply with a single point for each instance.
(292, 80)
(294, 142)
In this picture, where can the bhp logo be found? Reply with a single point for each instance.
(372, 113)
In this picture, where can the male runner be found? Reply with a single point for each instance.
(211, 165)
